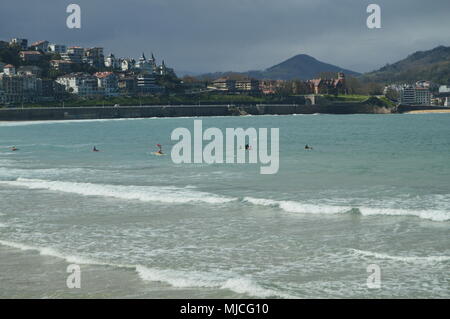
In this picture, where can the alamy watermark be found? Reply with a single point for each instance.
(374, 279)
(238, 146)
(74, 279)
(74, 19)
(374, 19)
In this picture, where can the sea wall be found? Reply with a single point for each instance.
(79, 113)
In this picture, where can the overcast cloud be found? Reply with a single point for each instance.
(238, 35)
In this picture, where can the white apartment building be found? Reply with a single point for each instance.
(22, 43)
(412, 95)
(112, 62)
(79, 83)
(57, 48)
(73, 54)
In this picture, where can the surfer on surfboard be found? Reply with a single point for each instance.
(95, 149)
(159, 151)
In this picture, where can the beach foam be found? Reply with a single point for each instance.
(298, 207)
(304, 208)
(434, 215)
(127, 192)
(46, 251)
(175, 278)
(409, 259)
(187, 279)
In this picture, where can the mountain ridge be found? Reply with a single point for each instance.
(432, 65)
(300, 66)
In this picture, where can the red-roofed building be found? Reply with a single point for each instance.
(62, 65)
(30, 56)
(40, 46)
(107, 83)
(9, 69)
(328, 86)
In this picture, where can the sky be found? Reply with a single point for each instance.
(201, 36)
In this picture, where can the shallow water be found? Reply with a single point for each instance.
(375, 190)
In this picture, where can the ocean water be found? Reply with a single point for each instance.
(375, 190)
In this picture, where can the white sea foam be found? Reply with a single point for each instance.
(298, 207)
(409, 259)
(46, 251)
(175, 278)
(434, 215)
(197, 279)
(127, 192)
(304, 208)
(3, 225)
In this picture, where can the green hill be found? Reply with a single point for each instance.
(433, 65)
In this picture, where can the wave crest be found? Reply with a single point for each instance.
(127, 192)
(410, 259)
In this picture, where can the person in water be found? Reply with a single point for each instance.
(95, 149)
(247, 147)
(307, 147)
(159, 151)
(14, 148)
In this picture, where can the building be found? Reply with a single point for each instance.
(30, 56)
(57, 48)
(144, 65)
(73, 54)
(21, 43)
(127, 64)
(163, 70)
(52, 90)
(146, 83)
(223, 84)
(127, 84)
(39, 46)
(94, 57)
(443, 89)
(107, 83)
(112, 62)
(415, 95)
(423, 96)
(29, 70)
(79, 83)
(270, 86)
(408, 95)
(328, 86)
(62, 65)
(9, 69)
(247, 85)
(19, 88)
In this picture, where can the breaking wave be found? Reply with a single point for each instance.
(304, 208)
(129, 192)
(178, 195)
(410, 259)
(175, 278)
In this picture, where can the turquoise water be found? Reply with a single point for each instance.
(375, 190)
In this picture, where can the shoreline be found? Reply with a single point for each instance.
(156, 111)
(440, 111)
(178, 111)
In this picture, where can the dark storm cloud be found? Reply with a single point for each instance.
(213, 35)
